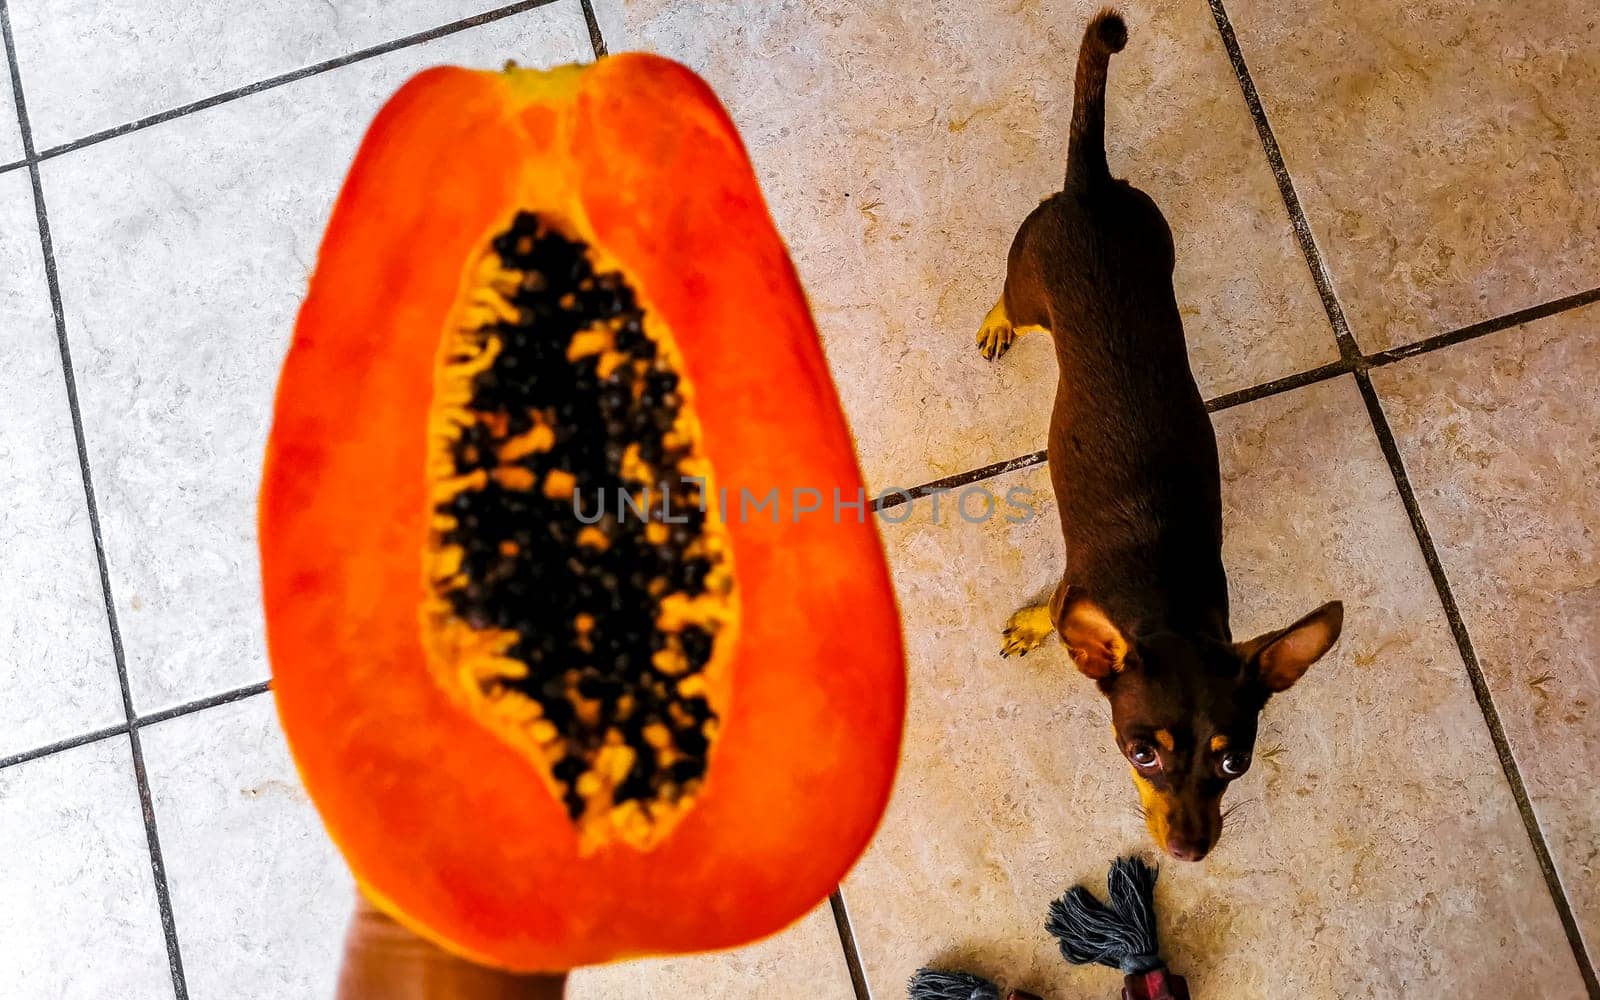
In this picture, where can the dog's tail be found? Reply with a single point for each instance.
(1086, 147)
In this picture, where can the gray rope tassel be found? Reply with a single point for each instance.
(931, 984)
(1121, 935)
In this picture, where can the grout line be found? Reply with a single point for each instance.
(1291, 199)
(1299, 380)
(200, 704)
(273, 82)
(596, 39)
(4, 167)
(1541, 311)
(1352, 357)
(136, 751)
(896, 496)
(847, 941)
(94, 736)
(67, 744)
(158, 867)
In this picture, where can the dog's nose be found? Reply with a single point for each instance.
(1186, 850)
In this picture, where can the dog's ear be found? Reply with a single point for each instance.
(1096, 644)
(1280, 658)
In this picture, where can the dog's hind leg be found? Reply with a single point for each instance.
(1023, 306)
(1017, 312)
(997, 333)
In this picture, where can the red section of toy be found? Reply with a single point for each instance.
(1157, 985)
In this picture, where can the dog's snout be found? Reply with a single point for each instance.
(1185, 849)
(1193, 832)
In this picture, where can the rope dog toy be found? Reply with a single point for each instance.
(1120, 934)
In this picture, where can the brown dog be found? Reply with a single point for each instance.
(1143, 604)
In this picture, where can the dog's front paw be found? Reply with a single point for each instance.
(1026, 630)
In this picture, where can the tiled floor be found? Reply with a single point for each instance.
(1419, 182)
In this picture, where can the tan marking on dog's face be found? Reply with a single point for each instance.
(1219, 744)
(1164, 740)
(1157, 809)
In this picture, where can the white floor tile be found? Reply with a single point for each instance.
(89, 65)
(259, 895)
(184, 251)
(57, 678)
(79, 920)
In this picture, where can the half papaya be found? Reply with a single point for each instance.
(581, 637)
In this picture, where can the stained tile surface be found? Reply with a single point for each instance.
(802, 963)
(1448, 156)
(89, 65)
(1499, 436)
(80, 919)
(259, 895)
(57, 678)
(1382, 849)
(184, 251)
(900, 145)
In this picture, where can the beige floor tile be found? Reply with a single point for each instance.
(805, 962)
(1447, 154)
(901, 143)
(1382, 851)
(1499, 439)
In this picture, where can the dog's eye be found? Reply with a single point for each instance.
(1142, 754)
(1235, 764)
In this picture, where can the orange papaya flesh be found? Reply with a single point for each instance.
(545, 736)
